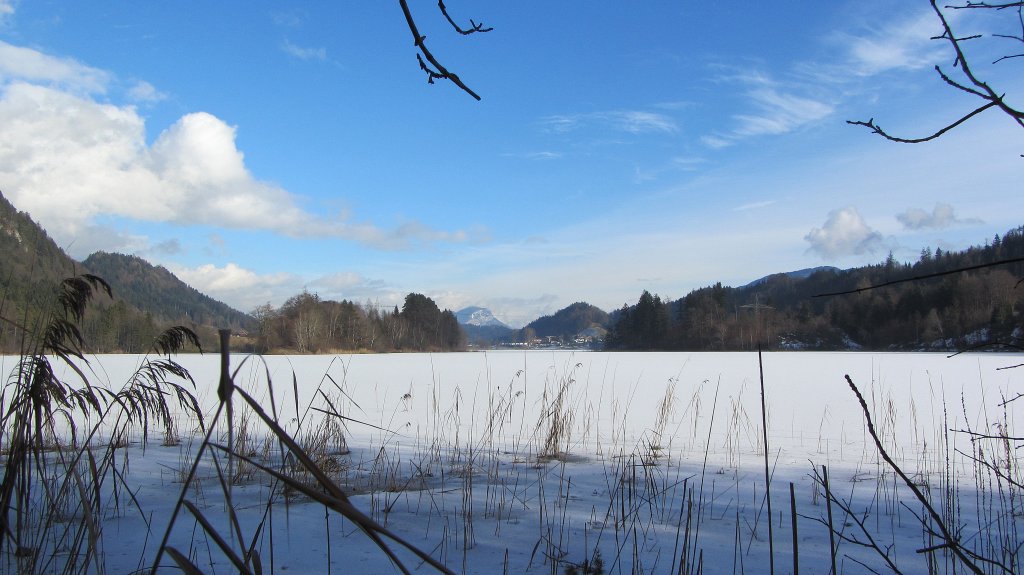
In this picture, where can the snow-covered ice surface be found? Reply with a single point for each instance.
(526, 461)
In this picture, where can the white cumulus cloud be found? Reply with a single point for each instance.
(21, 63)
(145, 93)
(844, 233)
(941, 216)
(244, 289)
(241, 288)
(356, 288)
(70, 160)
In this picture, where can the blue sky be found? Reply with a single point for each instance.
(258, 149)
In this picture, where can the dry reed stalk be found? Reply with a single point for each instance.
(52, 429)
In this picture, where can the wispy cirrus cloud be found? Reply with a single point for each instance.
(779, 112)
(649, 172)
(637, 122)
(629, 121)
(288, 18)
(675, 105)
(892, 44)
(6, 10)
(304, 52)
(716, 142)
(774, 109)
(540, 155)
(688, 163)
(810, 91)
(754, 206)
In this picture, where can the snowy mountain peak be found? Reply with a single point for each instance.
(478, 316)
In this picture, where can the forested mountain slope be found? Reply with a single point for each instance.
(945, 312)
(146, 300)
(162, 294)
(569, 321)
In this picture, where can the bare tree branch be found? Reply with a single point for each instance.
(999, 6)
(965, 67)
(429, 64)
(974, 84)
(878, 129)
(475, 27)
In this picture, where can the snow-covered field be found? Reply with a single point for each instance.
(520, 462)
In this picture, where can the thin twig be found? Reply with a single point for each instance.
(465, 32)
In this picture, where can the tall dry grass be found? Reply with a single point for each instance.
(61, 435)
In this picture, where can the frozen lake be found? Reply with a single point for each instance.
(614, 398)
(521, 461)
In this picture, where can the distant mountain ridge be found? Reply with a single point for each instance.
(570, 321)
(482, 328)
(797, 275)
(579, 319)
(479, 316)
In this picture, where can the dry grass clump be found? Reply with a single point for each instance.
(557, 415)
(304, 467)
(61, 473)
